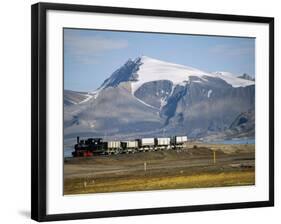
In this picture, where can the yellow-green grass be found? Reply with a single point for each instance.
(151, 182)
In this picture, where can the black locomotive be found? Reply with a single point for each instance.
(88, 147)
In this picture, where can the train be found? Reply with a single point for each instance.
(97, 146)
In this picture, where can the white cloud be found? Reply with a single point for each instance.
(85, 49)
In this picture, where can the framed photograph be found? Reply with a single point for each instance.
(140, 111)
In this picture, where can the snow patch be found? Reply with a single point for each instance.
(88, 97)
(209, 93)
(146, 104)
(233, 80)
(197, 81)
(163, 102)
(71, 101)
(95, 94)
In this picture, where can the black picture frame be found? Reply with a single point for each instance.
(38, 108)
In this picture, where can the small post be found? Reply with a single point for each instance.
(144, 166)
(85, 184)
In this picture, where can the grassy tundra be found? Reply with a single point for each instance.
(196, 166)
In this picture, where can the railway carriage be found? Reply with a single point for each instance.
(162, 143)
(146, 144)
(130, 146)
(178, 142)
(112, 147)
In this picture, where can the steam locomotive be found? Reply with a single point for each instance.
(97, 146)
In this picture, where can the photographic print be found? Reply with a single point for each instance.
(157, 111)
(134, 105)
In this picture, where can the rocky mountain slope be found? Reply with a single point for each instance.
(149, 97)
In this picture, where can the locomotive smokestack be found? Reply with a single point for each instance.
(77, 139)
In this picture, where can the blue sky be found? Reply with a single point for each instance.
(91, 56)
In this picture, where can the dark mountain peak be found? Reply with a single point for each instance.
(127, 72)
(129, 62)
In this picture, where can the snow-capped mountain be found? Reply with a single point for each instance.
(145, 69)
(147, 96)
